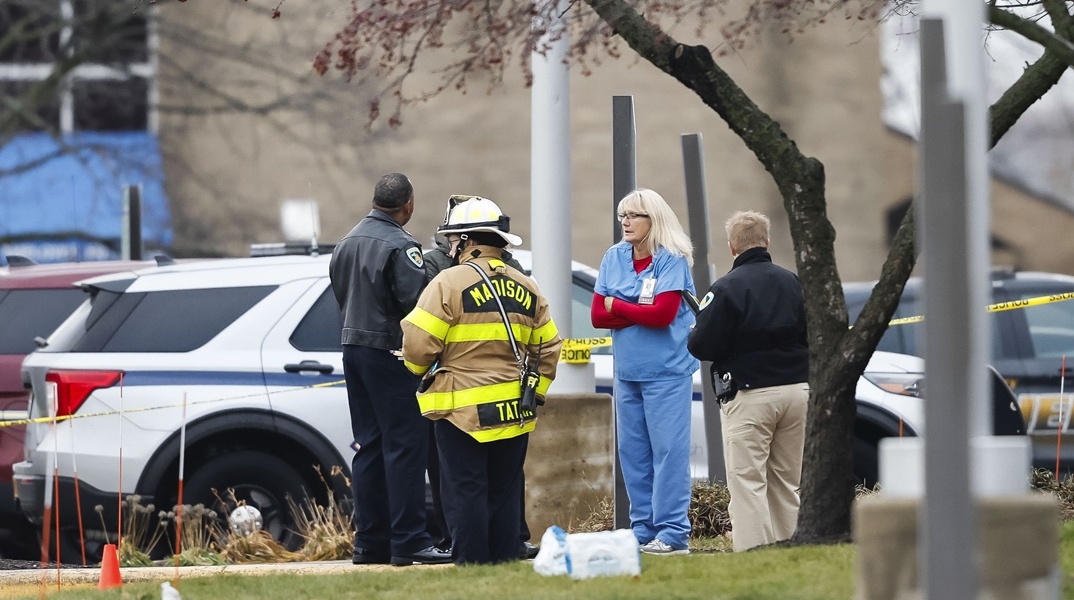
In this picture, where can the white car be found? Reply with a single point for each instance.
(246, 352)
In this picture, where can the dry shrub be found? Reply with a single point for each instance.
(861, 491)
(1043, 480)
(600, 518)
(708, 512)
(328, 531)
(257, 547)
(142, 531)
(199, 534)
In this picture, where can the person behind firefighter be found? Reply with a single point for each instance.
(475, 393)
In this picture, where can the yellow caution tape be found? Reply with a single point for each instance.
(61, 419)
(577, 351)
(1001, 306)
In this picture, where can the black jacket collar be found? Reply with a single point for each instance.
(753, 255)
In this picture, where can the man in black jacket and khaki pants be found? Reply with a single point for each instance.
(752, 324)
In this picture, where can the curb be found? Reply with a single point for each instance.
(131, 574)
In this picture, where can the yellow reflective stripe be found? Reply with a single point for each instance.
(544, 333)
(415, 368)
(435, 402)
(506, 432)
(484, 332)
(440, 401)
(428, 322)
(542, 386)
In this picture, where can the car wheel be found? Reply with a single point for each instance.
(866, 463)
(259, 480)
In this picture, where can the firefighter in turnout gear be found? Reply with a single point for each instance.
(475, 391)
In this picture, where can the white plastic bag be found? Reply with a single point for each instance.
(585, 555)
(551, 559)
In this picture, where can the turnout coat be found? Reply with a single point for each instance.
(456, 338)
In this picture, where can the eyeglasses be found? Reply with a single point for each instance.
(630, 216)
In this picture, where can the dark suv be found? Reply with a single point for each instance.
(34, 300)
(1030, 336)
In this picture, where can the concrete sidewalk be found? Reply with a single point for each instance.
(129, 574)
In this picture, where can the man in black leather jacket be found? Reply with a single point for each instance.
(752, 324)
(377, 274)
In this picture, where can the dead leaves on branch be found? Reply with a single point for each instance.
(384, 42)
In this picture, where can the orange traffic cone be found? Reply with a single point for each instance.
(110, 577)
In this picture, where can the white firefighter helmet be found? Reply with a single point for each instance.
(479, 214)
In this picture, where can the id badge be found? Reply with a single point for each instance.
(648, 291)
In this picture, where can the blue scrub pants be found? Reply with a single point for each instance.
(388, 470)
(653, 425)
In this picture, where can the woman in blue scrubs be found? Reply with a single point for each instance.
(638, 295)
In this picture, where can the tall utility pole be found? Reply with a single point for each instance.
(550, 167)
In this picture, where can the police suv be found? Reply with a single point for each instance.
(1032, 329)
(239, 362)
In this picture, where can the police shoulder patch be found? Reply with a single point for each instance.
(414, 254)
(705, 301)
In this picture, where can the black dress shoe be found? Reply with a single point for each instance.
(429, 556)
(362, 556)
(528, 551)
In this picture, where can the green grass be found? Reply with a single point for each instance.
(797, 573)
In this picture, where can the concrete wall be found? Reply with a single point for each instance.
(569, 464)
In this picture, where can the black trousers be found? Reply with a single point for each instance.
(481, 485)
(388, 469)
(444, 531)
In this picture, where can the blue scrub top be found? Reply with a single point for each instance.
(648, 353)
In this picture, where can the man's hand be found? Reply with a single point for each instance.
(608, 303)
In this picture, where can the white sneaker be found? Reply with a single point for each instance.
(661, 548)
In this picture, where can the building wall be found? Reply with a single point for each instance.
(227, 173)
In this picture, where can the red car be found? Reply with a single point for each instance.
(34, 300)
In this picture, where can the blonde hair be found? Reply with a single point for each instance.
(748, 229)
(665, 229)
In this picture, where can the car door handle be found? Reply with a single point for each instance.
(309, 365)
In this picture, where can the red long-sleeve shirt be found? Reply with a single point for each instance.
(624, 314)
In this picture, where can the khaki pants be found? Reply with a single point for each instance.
(763, 439)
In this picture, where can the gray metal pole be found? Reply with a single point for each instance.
(550, 169)
(131, 237)
(624, 154)
(624, 180)
(698, 215)
(947, 524)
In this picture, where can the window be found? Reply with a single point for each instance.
(1051, 328)
(110, 86)
(26, 314)
(32, 32)
(320, 330)
(167, 321)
